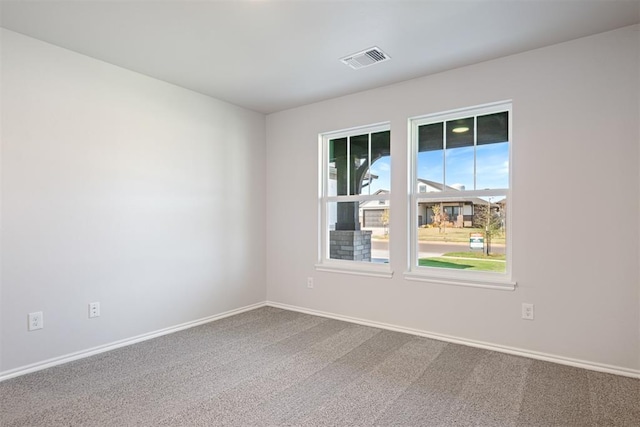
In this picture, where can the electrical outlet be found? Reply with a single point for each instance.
(527, 311)
(94, 309)
(310, 282)
(36, 321)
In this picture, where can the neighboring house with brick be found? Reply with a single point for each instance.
(459, 213)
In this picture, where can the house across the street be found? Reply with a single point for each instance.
(456, 213)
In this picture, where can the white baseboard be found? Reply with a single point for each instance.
(600, 367)
(479, 344)
(122, 343)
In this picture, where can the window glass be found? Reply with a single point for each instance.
(359, 173)
(492, 152)
(459, 164)
(380, 177)
(492, 166)
(460, 191)
(430, 161)
(493, 128)
(355, 197)
(375, 216)
(337, 168)
(370, 243)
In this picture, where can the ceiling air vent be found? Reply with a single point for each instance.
(365, 58)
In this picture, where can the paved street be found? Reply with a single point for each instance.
(380, 248)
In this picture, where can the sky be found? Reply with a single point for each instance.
(492, 168)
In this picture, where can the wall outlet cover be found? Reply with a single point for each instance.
(36, 321)
(94, 309)
(527, 311)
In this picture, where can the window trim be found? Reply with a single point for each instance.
(481, 279)
(323, 263)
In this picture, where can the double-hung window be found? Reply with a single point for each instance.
(459, 197)
(355, 172)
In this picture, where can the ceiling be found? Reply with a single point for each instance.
(273, 55)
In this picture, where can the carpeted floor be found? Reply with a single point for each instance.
(275, 367)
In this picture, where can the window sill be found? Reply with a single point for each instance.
(360, 269)
(495, 284)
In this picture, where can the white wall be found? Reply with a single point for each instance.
(121, 189)
(575, 203)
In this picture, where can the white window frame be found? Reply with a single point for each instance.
(482, 279)
(324, 263)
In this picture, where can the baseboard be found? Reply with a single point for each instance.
(122, 343)
(479, 344)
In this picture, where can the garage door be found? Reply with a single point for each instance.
(373, 218)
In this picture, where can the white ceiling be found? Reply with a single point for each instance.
(273, 55)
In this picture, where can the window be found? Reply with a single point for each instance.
(459, 187)
(354, 200)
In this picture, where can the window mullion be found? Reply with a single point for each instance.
(475, 149)
(349, 165)
(369, 163)
(444, 154)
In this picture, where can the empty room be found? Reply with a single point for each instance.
(305, 213)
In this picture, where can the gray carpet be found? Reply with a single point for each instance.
(276, 367)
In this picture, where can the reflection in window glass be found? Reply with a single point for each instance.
(459, 155)
(460, 133)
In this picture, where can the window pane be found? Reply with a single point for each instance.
(459, 168)
(459, 154)
(380, 173)
(374, 217)
(492, 166)
(357, 166)
(493, 128)
(492, 152)
(359, 163)
(337, 173)
(460, 133)
(430, 161)
(368, 244)
(463, 233)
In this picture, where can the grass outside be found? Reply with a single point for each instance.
(464, 264)
(450, 234)
(478, 255)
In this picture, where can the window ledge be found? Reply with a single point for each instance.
(383, 271)
(495, 284)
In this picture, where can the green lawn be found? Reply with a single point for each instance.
(464, 264)
(476, 254)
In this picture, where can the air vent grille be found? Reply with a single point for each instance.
(365, 58)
